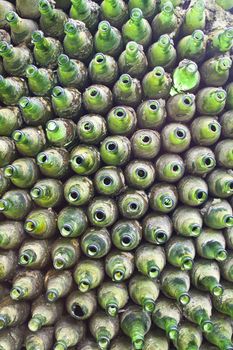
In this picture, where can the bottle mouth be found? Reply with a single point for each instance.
(100, 215)
(100, 58)
(187, 264)
(138, 342)
(52, 295)
(173, 333)
(3, 205)
(225, 63)
(141, 173)
(214, 127)
(168, 7)
(59, 345)
(184, 299)
(107, 181)
(153, 271)
(57, 92)
(42, 158)
(17, 135)
(30, 225)
(92, 250)
(160, 236)
(87, 126)
(70, 28)
(180, 133)
(167, 202)
(196, 230)
(31, 71)
(132, 47)
(73, 196)
(11, 16)
(104, 27)
(16, 293)
(120, 112)
(36, 192)
(84, 285)
(44, 6)
(103, 342)
(133, 207)
(37, 36)
(93, 93)
(191, 68)
(217, 290)
(25, 258)
(207, 326)
(59, 263)
(209, 162)
(149, 305)
(112, 309)
(221, 255)
(188, 100)
(9, 171)
(63, 60)
(118, 275)
(66, 230)
(34, 324)
(154, 106)
(125, 79)
(229, 186)
(229, 32)
(201, 196)
(220, 95)
(158, 72)
(111, 146)
(52, 126)
(165, 40)
(77, 311)
(228, 219)
(126, 240)
(136, 14)
(24, 102)
(198, 35)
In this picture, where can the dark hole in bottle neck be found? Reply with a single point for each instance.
(107, 181)
(77, 311)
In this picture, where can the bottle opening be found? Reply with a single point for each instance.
(63, 59)
(24, 102)
(112, 310)
(3, 205)
(136, 14)
(158, 72)
(36, 192)
(44, 5)
(207, 326)
(118, 275)
(87, 126)
(153, 272)
(173, 333)
(3, 322)
(103, 342)
(66, 230)
(107, 181)
(57, 346)
(52, 295)
(175, 168)
(92, 250)
(217, 290)
(198, 35)
(17, 135)
(146, 139)
(34, 324)
(164, 40)
(59, 264)
(99, 58)
(79, 160)
(120, 112)
(74, 195)
(201, 195)
(221, 255)
(30, 225)
(99, 215)
(104, 26)
(196, 230)
(184, 299)
(141, 173)
(31, 70)
(93, 92)
(16, 293)
(133, 206)
(84, 286)
(208, 162)
(37, 36)
(125, 79)
(77, 311)
(42, 158)
(180, 133)
(9, 171)
(11, 16)
(138, 344)
(229, 221)
(52, 126)
(70, 28)
(154, 106)
(148, 305)
(188, 100)
(229, 32)
(221, 95)
(111, 146)
(24, 259)
(191, 67)
(160, 236)
(167, 202)
(57, 91)
(126, 241)
(132, 47)
(167, 7)
(213, 127)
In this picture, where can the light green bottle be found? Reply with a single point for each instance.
(57, 284)
(205, 131)
(27, 285)
(181, 107)
(156, 84)
(66, 102)
(114, 11)
(60, 132)
(195, 17)
(23, 172)
(133, 204)
(146, 143)
(210, 244)
(84, 159)
(192, 190)
(102, 212)
(98, 99)
(71, 73)
(215, 71)
(40, 80)
(72, 222)
(187, 221)
(119, 265)
(199, 160)
(88, 274)
(112, 297)
(151, 114)
(211, 101)
(127, 91)
(218, 214)
(10, 119)
(144, 291)
(108, 39)
(21, 28)
(29, 141)
(115, 150)
(53, 162)
(85, 11)
(150, 260)
(193, 46)
(189, 338)
(162, 53)
(103, 69)
(68, 333)
(121, 120)
(12, 89)
(78, 190)
(15, 204)
(35, 110)
(109, 180)
(221, 40)
(34, 254)
(186, 77)
(166, 21)
(81, 306)
(180, 252)
(140, 174)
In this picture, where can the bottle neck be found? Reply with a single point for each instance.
(63, 258)
(43, 44)
(100, 65)
(171, 329)
(137, 333)
(85, 282)
(103, 338)
(132, 52)
(201, 317)
(211, 283)
(60, 96)
(27, 257)
(7, 50)
(37, 322)
(125, 83)
(66, 64)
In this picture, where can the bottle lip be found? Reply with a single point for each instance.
(119, 274)
(104, 27)
(154, 105)
(59, 263)
(17, 293)
(17, 135)
(31, 71)
(173, 333)
(165, 40)
(34, 324)
(168, 7)
(136, 14)
(217, 291)
(11, 16)
(84, 285)
(100, 58)
(186, 263)
(63, 59)
(30, 225)
(228, 219)
(26, 257)
(158, 72)
(58, 91)
(207, 326)
(93, 92)
(92, 250)
(70, 27)
(24, 102)
(221, 255)
(200, 195)
(132, 47)
(148, 305)
(44, 6)
(111, 146)
(180, 133)
(73, 195)
(188, 100)
(126, 240)
(36, 192)
(167, 201)
(184, 299)
(198, 35)
(141, 173)
(138, 342)
(153, 271)
(9, 171)
(37, 36)
(42, 158)
(78, 311)
(112, 309)
(66, 230)
(120, 112)
(60, 345)
(125, 79)
(220, 95)
(208, 161)
(52, 295)
(196, 230)
(103, 342)
(3, 205)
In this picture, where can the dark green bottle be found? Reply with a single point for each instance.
(96, 242)
(157, 229)
(140, 174)
(58, 284)
(115, 150)
(13, 313)
(180, 252)
(15, 204)
(126, 234)
(68, 333)
(190, 337)
(12, 89)
(195, 17)
(91, 129)
(193, 46)
(199, 160)
(103, 69)
(84, 159)
(8, 265)
(81, 306)
(10, 119)
(108, 40)
(166, 21)
(29, 141)
(27, 285)
(42, 339)
(12, 234)
(192, 190)
(119, 265)
(210, 244)
(163, 197)
(35, 110)
(156, 84)
(7, 151)
(187, 221)
(85, 11)
(162, 53)
(151, 114)
(78, 190)
(169, 167)
(72, 222)
(223, 153)
(220, 183)
(34, 254)
(53, 162)
(205, 131)
(64, 253)
(109, 181)
(41, 223)
(211, 100)
(112, 297)
(181, 107)
(186, 77)
(47, 193)
(225, 121)
(150, 260)
(88, 274)
(145, 143)
(40, 80)
(114, 11)
(23, 172)
(66, 102)
(215, 71)
(127, 91)
(133, 204)
(98, 99)
(60, 132)
(218, 214)
(148, 7)
(102, 212)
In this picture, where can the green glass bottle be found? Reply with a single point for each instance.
(5, 6)
(85, 11)
(211, 100)
(224, 304)
(135, 323)
(12, 89)
(88, 274)
(29, 141)
(98, 99)
(71, 222)
(223, 153)
(47, 193)
(137, 29)
(51, 20)
(12, 338)
(81, 306)
(27, 285)
(199, 160)
(28, 8)
(78, 190)
(8, 265)
(181, 107)
(148, 7)
(195, 17)
(46, 50)
(114, 11)
(127, 91)
(144, 291)
(169, 167)
(60, 132)
(221, 334)
(205, 276)
(15, 204)
(199, 310)
(109, 181)
(10, 119)
(7, 151)
(167, 316)
(68, 333)
(193, 46)
(126, 234)
(23, 172)
(12, 312)
(44, 313)
(162, 53)
(192, 190)
(133, 60)
(220, 183)
(35, 111)
(221, 40)
(166, 21)
(53, 162)
(78, 41)
(180, 252)
(190, 337)
(108, 40)
(115, 150)
(65, 252)
(91, 129)
(4, 182)
(145, 143)
(21, 28)
(102, 212)
(42, 339)
(66, 102)
(96, 242)
(215, 71)
(151, 114)
(119, 265)
(85, 159)
(227, 266)
(112, 297)
(156, 84)
(218, 214)
(163, 197)
(150, 260)
(133, 204)
(157, 228)
(140, 174)
(186, 77)
(103, 69)
(210, 244)
(229, 90)
(40, 80)
(225, 121)
(34, 254)
(71, 73)
(103, 328)
(12, 234)
(57, 284)
(205, 131)
(187, 221)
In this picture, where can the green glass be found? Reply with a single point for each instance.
(115, 150)
(148, 7)
(27, 285)
(78, 190)
(85, 11)
(150, 260)
(224, 304)
(220, 183)
(225, 121)
(35, 111)
(127, 91)
(57, 284)
(41, 223)
(21, 28)
(8, 264)
(29, 141)
(96, 242)
(109, 181)
(53, 162)
(51, 20)
(108, 39)
(98, 99)
(210, 244)
(126, 234)
(145, 143)
(192, 190)
(65, 252)
(133, 204)
(23, 172)
(114, 11)
(221, 40)
(34, 254)
(12, 234)
(187, 221)
(186, 77)
(162, 53)
(91, 129)
(12, 89)
(137, 29)
(218, 214)
(157, 228)
(28, 8)
(229, 90)
(40, 80)
(156, 84)
(163, 197)
(133, 60)
(144, 291)
(5, 6)
(112, 297)
(72, 222)
(211, 101)
(169, 167)
(103, 328)
(71, 73)
(175, 284)
(4, 182)
(224, 154)
(12, 312)
(156, 339)
(193, 46)
(42, 339)
(103, 69)
(221, 334)
(10, 119)
(81, 306)
(140, 174)
(102, 212)
(15, 204)
(205, 131)
(135, 323)
(190, 337)
(60, 132)
(84, 159)
(7, 151)
(119, 265)
(66, 102)
(47, 193)
(215, 71)
(166, 21)
(151, 114)
(195, 17)
(199, 160)
(181, 107)
(180, 252)
(46, 50)
(89, 274)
